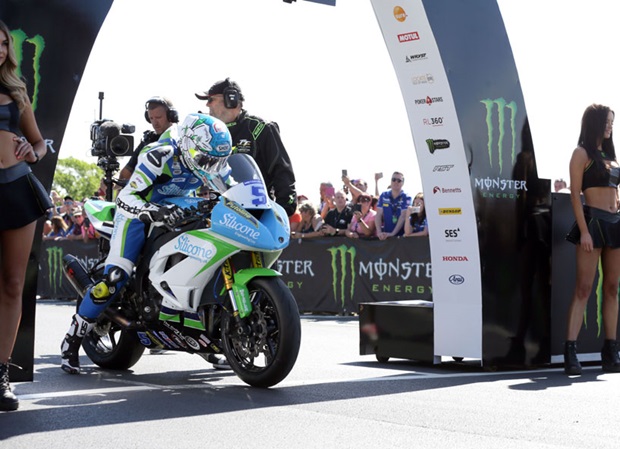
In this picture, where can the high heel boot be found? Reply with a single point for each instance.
(70, 346)
(609, 357)
(8, 401)
(572, 367)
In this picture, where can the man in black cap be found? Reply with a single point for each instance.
(256, 137)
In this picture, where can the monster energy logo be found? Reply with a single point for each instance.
(54, 267)
(343, 270)
(20, 38)
(437, 144)
(502, 106)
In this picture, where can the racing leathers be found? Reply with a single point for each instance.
(159, 174)
(261, 140)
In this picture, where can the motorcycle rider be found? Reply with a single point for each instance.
(185, 157)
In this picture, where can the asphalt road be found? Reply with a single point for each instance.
(333, 398)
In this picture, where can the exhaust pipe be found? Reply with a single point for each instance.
(77, 274)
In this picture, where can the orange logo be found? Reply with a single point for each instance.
(399, 14)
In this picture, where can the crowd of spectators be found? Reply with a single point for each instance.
(354, 212)
(67, 220)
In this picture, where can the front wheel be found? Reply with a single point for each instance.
(263, 347)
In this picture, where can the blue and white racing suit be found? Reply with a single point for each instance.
(159, 174)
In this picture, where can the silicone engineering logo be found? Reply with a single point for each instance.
(20, 39)
(400, 14)
(343, 272)
(500, 106)
(54, 267)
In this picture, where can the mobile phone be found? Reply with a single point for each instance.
(357, 207)
(329, 192)
(344, 173)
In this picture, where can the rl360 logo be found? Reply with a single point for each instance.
(498, 124)
(343, 272)
(21, 39)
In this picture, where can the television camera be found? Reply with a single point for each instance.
(109, 142)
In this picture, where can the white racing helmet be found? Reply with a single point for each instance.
(205, 145)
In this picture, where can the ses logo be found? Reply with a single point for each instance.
(442, 168)
(408, 37)
(416, 57)
(433, 121)
(437, 144)
(428, 100)
(452, 235)
(438, 189)
(400, 14)
(427, 78)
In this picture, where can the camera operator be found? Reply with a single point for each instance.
(161, 114)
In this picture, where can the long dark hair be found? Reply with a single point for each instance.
(419, 217)
(592, 134)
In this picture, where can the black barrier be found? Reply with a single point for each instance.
(52, 282)
(326, 275)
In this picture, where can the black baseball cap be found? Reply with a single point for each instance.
(218, 88)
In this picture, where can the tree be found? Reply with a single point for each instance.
(76, 178)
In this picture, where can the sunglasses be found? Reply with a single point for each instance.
(365, 200)
(397, 180)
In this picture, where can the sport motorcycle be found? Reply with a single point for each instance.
(203, 284)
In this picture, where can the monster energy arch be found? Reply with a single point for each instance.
(486, 206)
(53, 39)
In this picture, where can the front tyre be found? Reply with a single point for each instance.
(263, 347)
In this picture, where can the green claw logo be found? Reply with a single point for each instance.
(20, 39)
(343, 272)
(54, 267)
(501, 109)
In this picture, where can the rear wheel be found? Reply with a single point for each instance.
(263, 347)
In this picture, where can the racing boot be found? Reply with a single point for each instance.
(609, 357)
(572, 367)
(8, 401)
(70, 346)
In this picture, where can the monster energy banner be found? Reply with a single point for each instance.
(52, 282)
(484, 201)
(53, 39)
(331, 275)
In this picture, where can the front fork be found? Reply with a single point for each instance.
(238, 292)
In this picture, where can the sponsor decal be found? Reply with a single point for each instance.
(495, 143)
(428, 100)
(157, 155)
(203, 251)
(240, 210)
(20, 41)
(456, 279)
(442, 168)
(452, 235)
(416, 57)
(426, 78)
(399, 14)
(455, 259)
(438, 189)
(450, 211)
(54, 267)
(408, 37)
(433, 121)
(144, 339)
(343, 272)
(297, 267)
(437, 144)
(192, 343)
(240, 229)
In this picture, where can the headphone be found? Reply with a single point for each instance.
(172, 114)
(231, 96)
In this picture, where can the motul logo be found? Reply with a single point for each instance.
(399, 14)
(455, 259)
(408, 37)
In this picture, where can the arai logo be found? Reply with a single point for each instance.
(456, 279)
